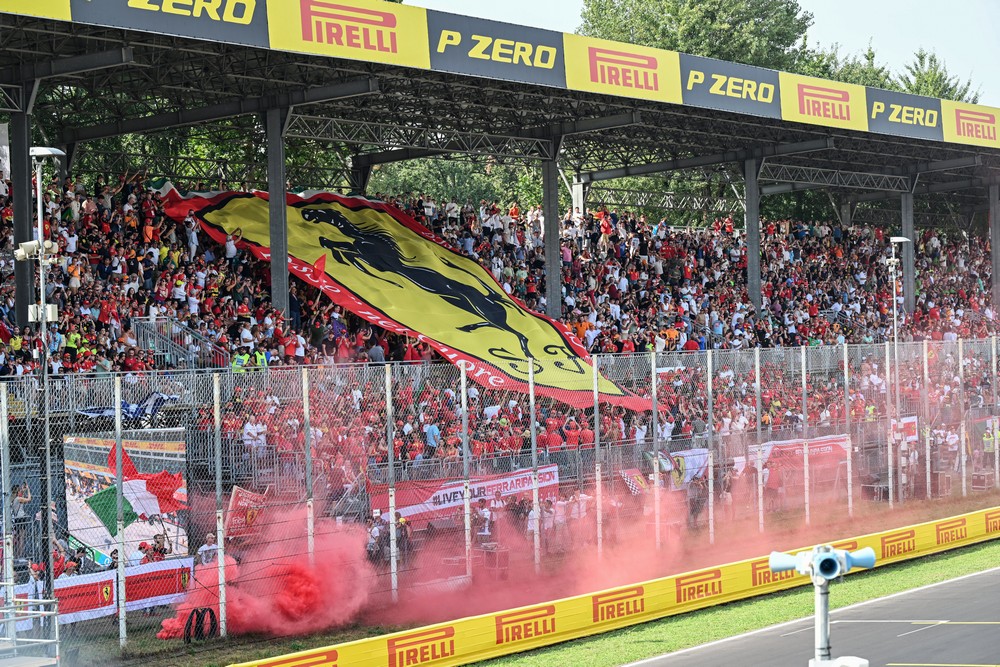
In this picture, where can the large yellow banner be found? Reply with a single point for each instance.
(821, 102)
(626, 70)
(389, 270)
(48, 9)
(369, 30)
(478, 638)
(970, 124)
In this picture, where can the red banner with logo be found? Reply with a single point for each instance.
(442, 500)
(245, 510)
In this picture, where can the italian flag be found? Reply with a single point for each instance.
(143, 496)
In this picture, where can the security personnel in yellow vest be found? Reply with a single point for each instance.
(241, 360)
(259, 360)
(988, 442)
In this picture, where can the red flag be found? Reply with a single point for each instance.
(128, 468)
(163, 484)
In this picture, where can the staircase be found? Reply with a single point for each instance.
(177, 345)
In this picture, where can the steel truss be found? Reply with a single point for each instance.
(892, 217)
(624, 198)
(394, 136)
(837, 178)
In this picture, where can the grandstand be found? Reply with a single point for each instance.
(732, 339)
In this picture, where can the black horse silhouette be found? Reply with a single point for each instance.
(377, 249)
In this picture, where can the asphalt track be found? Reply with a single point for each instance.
(951, 624)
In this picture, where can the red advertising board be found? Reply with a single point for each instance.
(434, 500)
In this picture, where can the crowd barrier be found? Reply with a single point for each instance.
(95, 595)
(470, 640)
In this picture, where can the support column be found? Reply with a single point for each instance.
(24, 229)
(750, 168)
(907, 258)
(553, 261)
(358, 178)
(994, 197)
(275, 123)
(580, 192)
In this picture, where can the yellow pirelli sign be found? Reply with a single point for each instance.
(820, 102)
(626, 70)
(970, 124)
(46, 9)
(369, 30)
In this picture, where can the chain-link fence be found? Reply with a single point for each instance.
(182, 497)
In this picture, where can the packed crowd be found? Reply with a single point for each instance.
(628, 284)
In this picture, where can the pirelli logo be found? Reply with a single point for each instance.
(619, 604)
(420, 648)
(327, 658)
(350, 27)
(976, 124)
(761, 574)
(951, 531)
(897, 544)
(847, 545)
(699, 586)
(829, 103)
(992, 522)
(623, 69)
(525, 624)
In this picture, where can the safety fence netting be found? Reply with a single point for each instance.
(188, 505)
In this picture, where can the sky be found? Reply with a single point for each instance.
(965, 35)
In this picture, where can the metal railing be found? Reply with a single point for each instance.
(29, 632)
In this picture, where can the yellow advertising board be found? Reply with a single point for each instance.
(469, 640)
(970, 124)
(626, 70)
(821, 102)
(47, 9)
(369, 30)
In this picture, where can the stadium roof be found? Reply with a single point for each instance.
(399, 82)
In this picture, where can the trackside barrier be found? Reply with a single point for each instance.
(469, 640)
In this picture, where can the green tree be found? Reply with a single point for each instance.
(766, 33)
(864, 70)
(928, 75)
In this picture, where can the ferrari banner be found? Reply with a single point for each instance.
(437, 500)
(245, 508)
(386, 268)
(826, 451)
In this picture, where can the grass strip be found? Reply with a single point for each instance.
(674, 633)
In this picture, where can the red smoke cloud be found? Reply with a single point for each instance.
(275, 591)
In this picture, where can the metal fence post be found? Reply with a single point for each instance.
(711, 497)
(850, 477)
(656, 454)
(310, 509)
(805, 475)
(598, 472)
(756, 372)
(390, 441)
(890, 440)
(995, 422)
(466, 486)
(760, 488)
(805, 397)
(963, 442)
(220, 522)
(120, 593)
(847, 392)
(8, 525)
(535, 504)
(925, 396)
